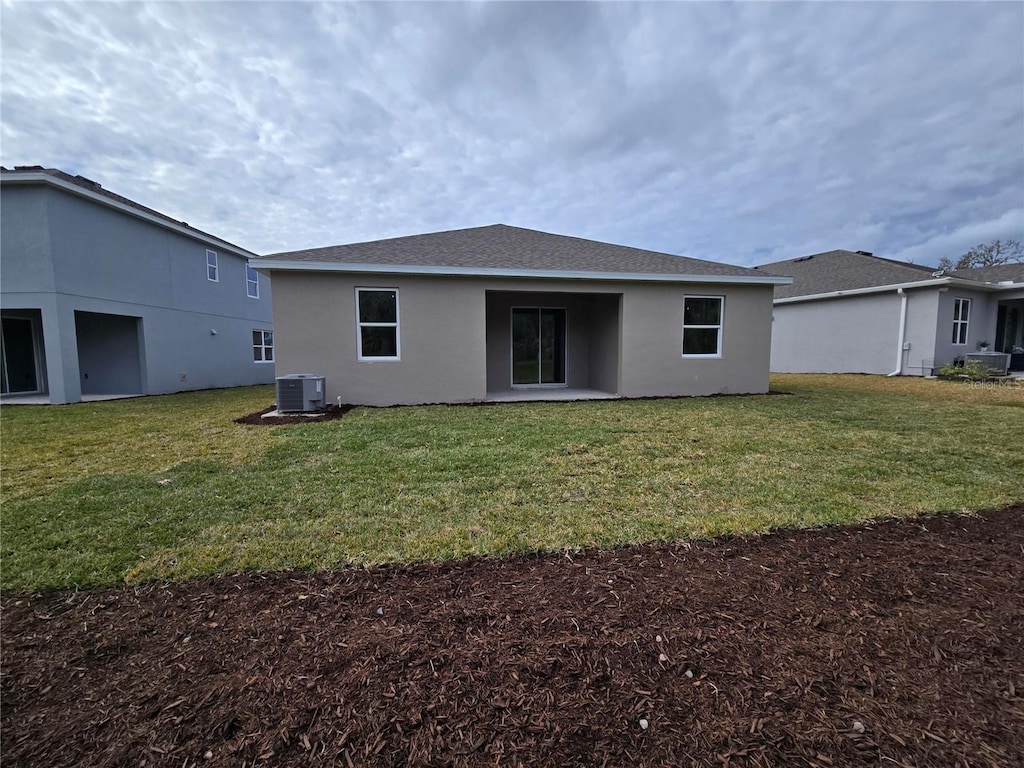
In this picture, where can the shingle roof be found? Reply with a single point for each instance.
(94, 187)
(503, 247)
(841, 271)
(995, 274)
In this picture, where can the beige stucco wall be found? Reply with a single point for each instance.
(632, 346)
(652, 361)
(442, 338)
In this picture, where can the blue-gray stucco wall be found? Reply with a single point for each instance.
(108, 353)
(61, 254)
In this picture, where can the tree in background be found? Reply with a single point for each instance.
(986, 255)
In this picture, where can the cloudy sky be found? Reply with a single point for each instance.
(742, 133)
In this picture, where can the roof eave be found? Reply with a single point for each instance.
(937, 282)
(270, 265)
(74, 189)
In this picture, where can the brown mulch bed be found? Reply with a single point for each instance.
(898, 643)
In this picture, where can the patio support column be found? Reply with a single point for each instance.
(60, 347)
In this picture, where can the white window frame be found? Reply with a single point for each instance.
(255, 282)
(263, 347)
(212, 265)
(961, 324)
(719, 326)
(396, 325)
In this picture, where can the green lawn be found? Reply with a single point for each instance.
(171, 488)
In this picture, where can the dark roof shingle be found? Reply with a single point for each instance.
(993, 274)
(504, 247)
(841, 271)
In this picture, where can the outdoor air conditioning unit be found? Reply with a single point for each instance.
(300, 393)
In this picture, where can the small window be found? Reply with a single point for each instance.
(377, 323)
(252, 282)
(961, 316)
(702, 326)
(262, 346)
(211, 266)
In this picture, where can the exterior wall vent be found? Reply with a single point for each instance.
(300, 393)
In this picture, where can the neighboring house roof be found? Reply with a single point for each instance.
(842, 271)
(995, 274)
(835, 273)
(502, 250)
(79, 185)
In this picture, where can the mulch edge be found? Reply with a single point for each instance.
(411, 568)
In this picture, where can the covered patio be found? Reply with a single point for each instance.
(1010, 331)
(543, 395)
(553, 346)
(44, 399)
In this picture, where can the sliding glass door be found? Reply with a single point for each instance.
(19, 365)
(538, 346)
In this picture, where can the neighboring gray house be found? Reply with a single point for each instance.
(102, 296)
(853, 312)
(500, 312)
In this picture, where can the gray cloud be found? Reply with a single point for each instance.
(737, 132)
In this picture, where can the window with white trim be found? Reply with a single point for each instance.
(211, 266)
(262, 346)
(702, 326)
(961, 317)
(252, 282)
(377, 323)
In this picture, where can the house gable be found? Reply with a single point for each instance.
(80, 186)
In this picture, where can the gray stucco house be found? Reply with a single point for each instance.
(500, 312)
(101, 296)
(853, 312)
